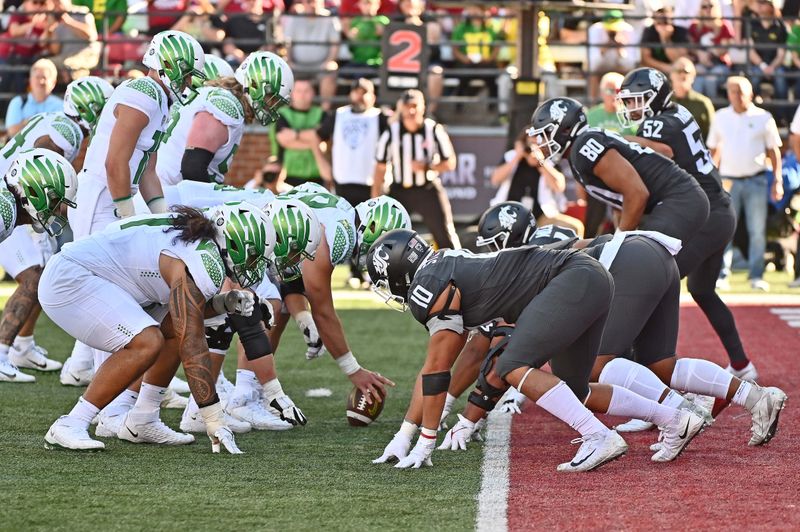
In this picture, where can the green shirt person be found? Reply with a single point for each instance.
(364, 34)
(477, 34)
(604, 115)
(117, 11)
(682, 77)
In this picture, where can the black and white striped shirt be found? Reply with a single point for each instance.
(398, 146)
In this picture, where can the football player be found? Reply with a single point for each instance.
(34, 195)
(114, 290)
(645, 100)
(559, 299)
(121, 158)
(650, 191)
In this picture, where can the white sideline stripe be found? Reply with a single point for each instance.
(793, 324)
(785, 310)
(493, 496)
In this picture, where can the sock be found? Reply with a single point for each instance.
(562, 403)
(84, 411)
(121, 403)
(628, 404)
(674, 400)
(448, 402)
(635, 377)
(98, 357)
(23, 343)
(149, 401)
(739, 365)
(700, 376)
(82, 356)
(272, 389)
(4, 353)
(243, 391)
(746, 395)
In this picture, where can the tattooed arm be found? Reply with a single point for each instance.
(20, 305)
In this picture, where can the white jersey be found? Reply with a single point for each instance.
(127, 253)
(62, 130)
(223, 106)
(145, 95)
(337, 217)
(8, 211)
(203, 195)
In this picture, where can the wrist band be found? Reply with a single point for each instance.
(348, 363)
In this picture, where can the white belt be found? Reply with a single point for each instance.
(610, 250)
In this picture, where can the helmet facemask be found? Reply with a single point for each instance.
(382, 290)
(544, 138)
(37, 188)
(496, 242)
(633, 108)
(292, 236)
(265, 107)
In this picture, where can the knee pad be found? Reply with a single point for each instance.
(619, 371)
(435, 383)
(489, 392)
(252, 334)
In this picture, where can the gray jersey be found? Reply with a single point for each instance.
(492, 285)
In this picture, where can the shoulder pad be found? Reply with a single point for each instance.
(146, 86)
(8, 211)
(224, 106)
(212, 261)
(344, 242)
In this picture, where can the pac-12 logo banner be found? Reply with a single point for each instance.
(405, 57)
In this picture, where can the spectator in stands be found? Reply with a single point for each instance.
(109, 15)
(39, 100)
(163, 14)
(296, 133)
(418, 149)
(312, 35)
(604, 114)
(74, 46)
(768, 34)
(540, 187)
(198, 24)
(608, 48)
(713, 35)
(476, 36)
(245, 25)
(364, 33)
(411, 12)
(661, 41)
(744, 142)
(682, 77)
(31, 32)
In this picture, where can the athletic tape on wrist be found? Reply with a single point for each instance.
(428, 434)
(348, 363)
(408, 429)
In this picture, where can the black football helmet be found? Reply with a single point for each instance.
(555, 124)
(644, 93)
(392, 262)
(506, 225)
(550, 234)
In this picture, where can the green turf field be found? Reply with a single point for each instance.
(311, 478)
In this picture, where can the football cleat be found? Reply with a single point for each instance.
(75, 376)
(224, 387)
(677, 434)
(69, 433)
(108, 425)
(705, 402)
(765, 414)
(259, 417)
(193, 422)
(748, 373)
(33, 357)
(595, 450)
(634, 425)
(179, 385)
(10, 373)
(173, 400)
(150, 429)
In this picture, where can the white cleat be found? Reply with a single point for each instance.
(35, 357)
(151, 429)
(765, 414)
(634, 425)
(179, 385)
(259, 417)
(173, 400)
(69, 433)
(677, 435)
(109, 425)
(10, 373)
(224, 387)
(75, 376)
(595, 450)
(193, 422)
(748, 373)
(706, 402)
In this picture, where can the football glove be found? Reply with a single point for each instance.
(266, 313)
(219, 434)
(512, 402)
(396, 450)
(241, 302)
(313, 341)
(476, 434)
(287, 410)
(420, 455)
(458, 437)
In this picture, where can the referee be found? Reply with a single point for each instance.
(418, 149)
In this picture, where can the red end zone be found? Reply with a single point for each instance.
(718, 483)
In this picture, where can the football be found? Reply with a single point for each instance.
(359, 412)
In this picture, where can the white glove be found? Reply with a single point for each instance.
(512, 402)
(241, 302)
(420, 455)
(313, 341)
(287, 410)
(396, 450)
(476, 434)
(266, 313)
(123, 208)
(219, 434)
(448, 406)
(458, 437)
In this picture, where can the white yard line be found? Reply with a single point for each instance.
(493, 496)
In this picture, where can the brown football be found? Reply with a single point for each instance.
(359, 413)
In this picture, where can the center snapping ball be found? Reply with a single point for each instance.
(359, 412)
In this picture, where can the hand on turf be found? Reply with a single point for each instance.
(396, 450)
(288, 411)
(241, 302)
(371, 384)
(443, 420)
(512, 402)
(476, 434)
(223, 437)
(315, 349)
(420, 455)
(458, 437)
